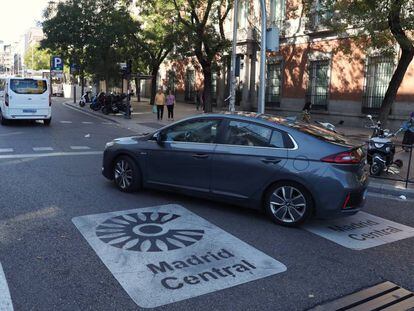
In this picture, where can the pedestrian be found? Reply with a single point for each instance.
(306, 117)
(160, 102)
(170, 105)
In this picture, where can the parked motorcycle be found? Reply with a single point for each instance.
(408, 128)
(84, 99)
(98, 102)
(114, 103)
(381, 149)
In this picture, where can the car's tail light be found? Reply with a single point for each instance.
(50, 99)
(6, 100)
(353, 156)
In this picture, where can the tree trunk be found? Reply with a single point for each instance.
(221, 85)
(208, 107)
(154, 74)
(138, 88)
(405, 60)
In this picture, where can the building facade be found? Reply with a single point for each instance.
(341, 80)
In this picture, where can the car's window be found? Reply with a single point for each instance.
(277, 140)
(198, 131)
(247, 134)
(28, 86)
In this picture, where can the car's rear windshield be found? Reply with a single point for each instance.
(28, 86)
(313, 130)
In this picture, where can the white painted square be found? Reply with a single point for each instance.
(360, 231)
(5, 299)
(165, 254)
(37, 149)
(6, 150)
(80, 147)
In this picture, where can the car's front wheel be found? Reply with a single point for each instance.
(127, 175)
(288, 204)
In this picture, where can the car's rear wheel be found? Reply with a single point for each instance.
(288, 204)
(127, 175)
(47, 121)
(3, 121)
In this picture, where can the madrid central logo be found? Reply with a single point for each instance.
(147, 232)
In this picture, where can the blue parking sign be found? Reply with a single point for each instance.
(57, 64)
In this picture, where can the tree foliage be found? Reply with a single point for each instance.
(203, 25)
(380, 24)
(36, 58)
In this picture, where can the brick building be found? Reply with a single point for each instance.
(312, 64)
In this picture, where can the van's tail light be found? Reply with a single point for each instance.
(353, 156)
(50, 100)
(6, 100)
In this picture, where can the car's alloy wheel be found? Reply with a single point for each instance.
(126, 174)
(289, 204)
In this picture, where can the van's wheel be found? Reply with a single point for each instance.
(127, 175)
(288, 204)
(47, 121)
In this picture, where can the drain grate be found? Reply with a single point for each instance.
(386, 296)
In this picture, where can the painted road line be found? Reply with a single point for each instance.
(80, 148)
(164, 254)
(360, 231)
(52, 154)
(66, 122)
(6, 150)
(37, 149)
(87, 122)
(5, 299)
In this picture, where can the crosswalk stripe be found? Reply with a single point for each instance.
(49, 154)
(87, 122)
(42, 149)
(80, 147)
(5, 299)
(5, 150)
(66, 122)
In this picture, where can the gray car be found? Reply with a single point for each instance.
(290, 169)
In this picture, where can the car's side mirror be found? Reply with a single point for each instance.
(158, 138)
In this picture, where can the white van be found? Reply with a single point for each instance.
(25, 99)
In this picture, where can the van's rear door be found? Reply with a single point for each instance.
(28, 94)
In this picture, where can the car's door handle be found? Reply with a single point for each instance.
(271, 160)
(200, 156)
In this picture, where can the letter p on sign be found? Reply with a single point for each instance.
(57, 63)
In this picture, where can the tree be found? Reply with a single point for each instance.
(157, 37)
(380, 24)
(37, 59)
(203, 25)
(68, 29)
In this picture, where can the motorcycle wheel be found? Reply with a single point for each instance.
(81, 104)
(375, 169)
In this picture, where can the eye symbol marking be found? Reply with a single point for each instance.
(146, 232)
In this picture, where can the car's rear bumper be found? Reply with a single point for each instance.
(27, 114)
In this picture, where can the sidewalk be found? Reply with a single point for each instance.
(143, 120)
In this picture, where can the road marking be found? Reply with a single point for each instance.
(66, 122)
(5, 299)
(42, 149)
(108, 123)
(5, 150)
(80, 147)
(164, 254)
(360, 231)
(87, 122)
(45, 155)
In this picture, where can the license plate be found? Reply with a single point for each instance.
(29, 110)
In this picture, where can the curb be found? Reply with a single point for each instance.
(379, 188)
(73, 106)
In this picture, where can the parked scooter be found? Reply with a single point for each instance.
(408, 128)
(114, 104)
(381, 149)
(98, 102)
(84, 99)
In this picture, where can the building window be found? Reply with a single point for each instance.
(243, 14)
(278, 12)
(318, 86)
(320, 14)
(171, 81)
(274, 84)
(379, 71)
(190, 90)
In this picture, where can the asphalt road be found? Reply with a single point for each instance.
(50, 266)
